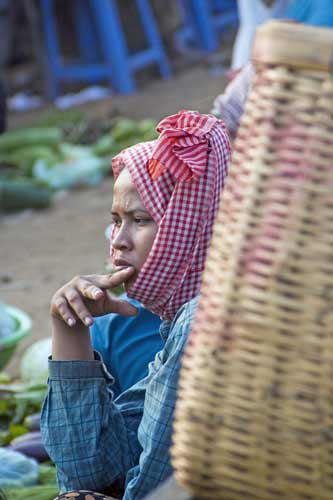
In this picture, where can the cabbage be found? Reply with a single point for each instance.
(34, 362)
(17, 470)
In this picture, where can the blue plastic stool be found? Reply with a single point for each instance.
(102, 46)
(203, 23)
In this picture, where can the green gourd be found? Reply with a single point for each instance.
(17, 195)
(12, 140)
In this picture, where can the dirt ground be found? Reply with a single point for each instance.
(40, 251)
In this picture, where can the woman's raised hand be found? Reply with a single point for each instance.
(85, 297)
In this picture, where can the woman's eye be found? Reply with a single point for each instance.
(116, 222)
(141, 221)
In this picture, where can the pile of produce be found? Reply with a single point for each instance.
(23, 478)
(25, 468)
(35, 162)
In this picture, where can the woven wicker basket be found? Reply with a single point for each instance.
(254, 418)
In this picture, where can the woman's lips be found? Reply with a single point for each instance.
(120, 268)
(120, 264)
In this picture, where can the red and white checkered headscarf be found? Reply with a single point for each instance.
(179, 178)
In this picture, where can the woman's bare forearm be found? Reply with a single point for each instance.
(70, 343)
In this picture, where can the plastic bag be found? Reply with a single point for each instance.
(17, 470)
(83, 171)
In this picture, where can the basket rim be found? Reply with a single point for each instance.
(293, 44)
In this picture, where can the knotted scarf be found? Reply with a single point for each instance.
(179, 178)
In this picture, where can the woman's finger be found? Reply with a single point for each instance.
(60, 308)
(89, 289)
(113, 280)
(105, 281)
(71, 302)
(76, 303)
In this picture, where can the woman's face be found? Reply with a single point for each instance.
(134, 229)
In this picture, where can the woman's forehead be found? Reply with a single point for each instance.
(125, 194)
(124, 184)
(124, 177)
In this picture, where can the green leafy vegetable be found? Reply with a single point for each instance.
(11, 141)
(17, 400)
(42, 492)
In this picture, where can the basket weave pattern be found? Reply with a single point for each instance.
(254, 418)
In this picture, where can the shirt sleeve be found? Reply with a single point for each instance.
(95, 440)
(91, 439)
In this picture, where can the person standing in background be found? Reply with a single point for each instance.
(314, 12)
(255, 12)
(251, 15)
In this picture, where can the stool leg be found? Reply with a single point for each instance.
(113, 44)
(188, 14)
(152, 33)
(202, 11)
(85, 31)
(185, 37)
(52, 59)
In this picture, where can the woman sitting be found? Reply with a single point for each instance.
(165, 199)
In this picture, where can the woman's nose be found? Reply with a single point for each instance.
(121, 238)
